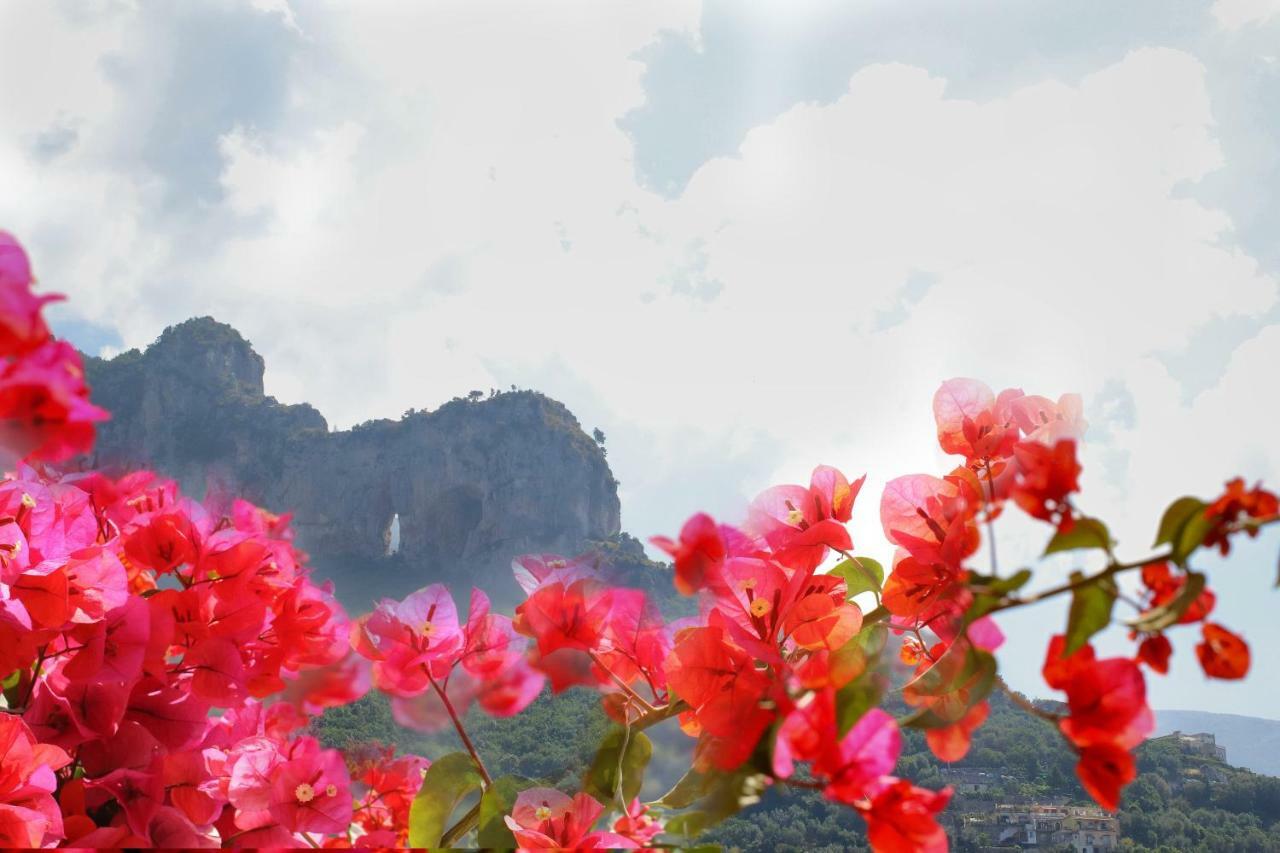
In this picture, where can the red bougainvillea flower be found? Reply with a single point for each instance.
(973, 422)
(1104, 769)
(932, 519)
(1155, 651)
(546, 819)
(390, 784)
(798, 524)
(1163, 586)
(1234, 506)
(721, 684)
(902, 818)
(29, 816)
(1106, 699)
(1107, 716)
(698, 554)
(1222, 653)
(951, 743)
(914, 588)
(1047, 478)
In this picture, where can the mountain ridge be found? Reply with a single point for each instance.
(473, 483)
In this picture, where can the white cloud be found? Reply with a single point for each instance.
(1234, 14)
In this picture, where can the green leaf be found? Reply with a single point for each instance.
(717, 795)
(1190, 537)
(448, 781)
(624, 751)
(1159, 618)
(1085, 533)
(1176, 517)
(495, 804)
(862, 574)
(989, 591)
(12, 679)
(856, 698)
(1090, 612)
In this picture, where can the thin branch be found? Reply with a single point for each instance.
(462, 733)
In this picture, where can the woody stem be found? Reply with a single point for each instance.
(462, 733)
(991, 527)
(622, 685)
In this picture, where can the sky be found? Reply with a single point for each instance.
(742, 239)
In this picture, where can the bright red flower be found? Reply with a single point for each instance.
(1104, 769)
(1155, 652)
(721, 684)
(914, 588)
(902, 818)
(1222, 654)
(1163, 586)
(697, 556)
(1236, 505)
(1048, 476)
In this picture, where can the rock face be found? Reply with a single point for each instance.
(472, 483)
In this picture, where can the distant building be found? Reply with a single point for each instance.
(1037, 826)
(1200, 743)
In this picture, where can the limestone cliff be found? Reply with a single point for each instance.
(473, 483)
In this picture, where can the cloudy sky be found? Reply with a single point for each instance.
(741, 239)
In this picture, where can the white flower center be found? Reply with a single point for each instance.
(304, 793)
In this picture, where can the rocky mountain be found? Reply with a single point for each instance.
(384, 507)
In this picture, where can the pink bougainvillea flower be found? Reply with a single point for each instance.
(637, 824)
(1044, 421)
(546, 819)
(862, 757)
(22, 324)
(931, 519)
(697, 556)
(973, 422)
(311, 790)
(800, 524)
(416, 640)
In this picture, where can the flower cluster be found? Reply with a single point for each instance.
(162, 656)
(45, 413)
(140, 631)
